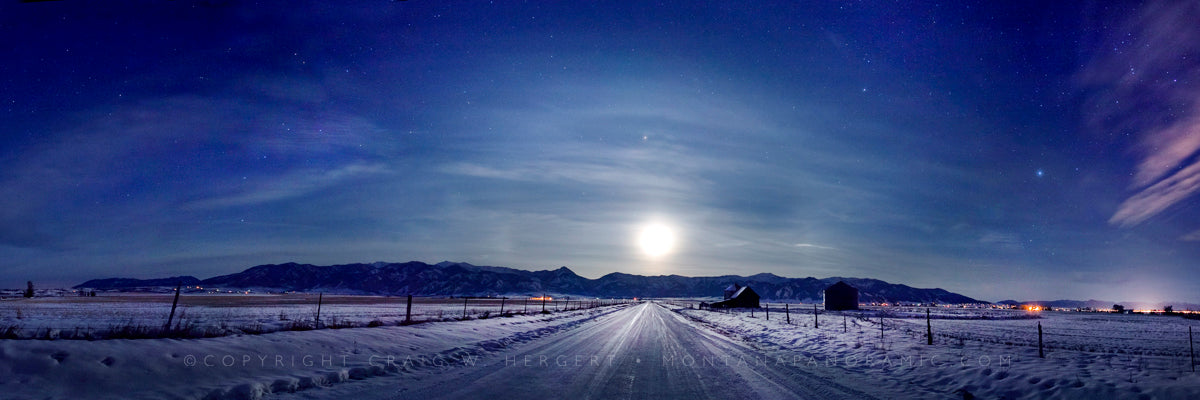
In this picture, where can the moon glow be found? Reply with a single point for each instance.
(656, 240)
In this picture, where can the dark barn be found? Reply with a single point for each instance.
(737, 296)
(840, 296)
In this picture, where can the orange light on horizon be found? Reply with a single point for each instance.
(547, 298)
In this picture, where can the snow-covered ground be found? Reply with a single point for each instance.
(223, 314)
(250, 366)
(1087, 355)
(644, 350)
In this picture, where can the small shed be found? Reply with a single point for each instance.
(738, 297)
(841, 296)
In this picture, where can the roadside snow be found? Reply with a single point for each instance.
(996, 359)
(250, 366)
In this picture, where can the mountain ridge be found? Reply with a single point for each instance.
(462, 279)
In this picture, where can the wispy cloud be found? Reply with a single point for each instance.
(1191, 237)
(1158, 197)
(580, 171)
(1138, 87)
(294, 184)
(1164, 175)
(1004, 240)
(1168, 149)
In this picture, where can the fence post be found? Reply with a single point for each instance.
(928, 329)
(768, 311)
(881, 330)
(317, 323)
(501, 306)
(465, 298)
(543, 304)
(1040, 353)
(175, 303)
(816, 324)
(1192, 349)
(526, 309)
(787, 314)
(408, 311)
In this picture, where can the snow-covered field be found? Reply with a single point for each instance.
(659, 350)
(223, 314)
(250, 366)
(1087, 355)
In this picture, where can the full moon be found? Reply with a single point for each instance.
(656, 240)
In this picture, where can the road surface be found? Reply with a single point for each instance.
(641, 352)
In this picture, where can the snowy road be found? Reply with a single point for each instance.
(644, 351)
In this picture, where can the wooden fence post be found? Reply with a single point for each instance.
(526, 309)
(816, 324)
(317, 323)
(928, 329)
(1192, 349)
(787, 314)
(501, 306)
(543, 304)
(844, 323)
(465, 298)
(1040, 353)
(408, 311)
(768, 311)
(175, 303)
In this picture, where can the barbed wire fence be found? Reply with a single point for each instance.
(214, 316)
(1167, 347)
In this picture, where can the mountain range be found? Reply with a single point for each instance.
(462, 279)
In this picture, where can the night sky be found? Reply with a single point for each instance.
(1026, 150)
